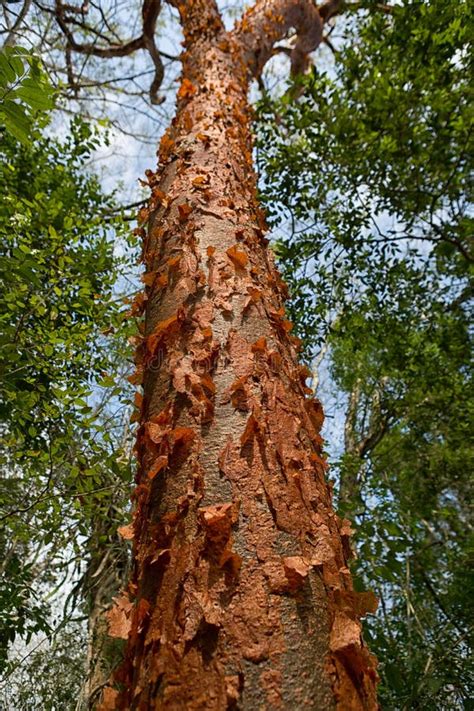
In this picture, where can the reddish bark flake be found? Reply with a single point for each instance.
(166, 145)
(161, 281)
(136, 378)
(357, 604)
(204, 137)
(149, 278)
(160, 196)
(119, 617)
(182, 436)
(126, 532)
(238, 257)
(214, 517)
(345, 528)
(315, 412)
(296, 570)
(184, 211)
(251, 428)
(239, 393)
(200, 180)
(174, 262)
(207, 381)
(186, 90)
(155, 432)
(159, 464)
(138, 304)
(143, 215)
(260, 345)
(108, 700)
(161, 330)
(345, 632)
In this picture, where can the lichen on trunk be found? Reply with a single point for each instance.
(240, 595)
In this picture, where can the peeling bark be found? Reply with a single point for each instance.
(240, 595)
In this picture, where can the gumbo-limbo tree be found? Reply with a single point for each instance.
(240, 594)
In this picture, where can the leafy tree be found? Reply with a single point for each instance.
(50, 679)
(368, 176)
(405, 476)
(62, 344)
(376, 159)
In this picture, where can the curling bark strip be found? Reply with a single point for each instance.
(240, 595)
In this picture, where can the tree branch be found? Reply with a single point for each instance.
(331, 8)
(350, 442)
(150, 12)
(114, 50)
(13, 32)
(268, 21)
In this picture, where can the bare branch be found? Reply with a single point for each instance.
(114, 50)
(350, 441)
(13, 32)
(328, 42)
(150, 12)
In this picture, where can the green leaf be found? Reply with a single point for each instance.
(16, 121)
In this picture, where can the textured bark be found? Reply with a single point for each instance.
(240, 595)
(106, 574)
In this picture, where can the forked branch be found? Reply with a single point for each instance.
(150, 13)
(268, 21)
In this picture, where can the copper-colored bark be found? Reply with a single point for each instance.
(240, 596)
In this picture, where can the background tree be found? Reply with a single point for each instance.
(367, 175)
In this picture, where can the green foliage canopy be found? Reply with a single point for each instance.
(372, 165)
(62, 398)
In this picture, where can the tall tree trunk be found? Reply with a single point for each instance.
(361, 435)
(240, 594)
